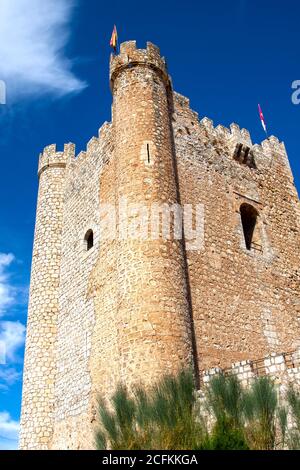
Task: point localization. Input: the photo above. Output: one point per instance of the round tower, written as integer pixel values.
(40, 366)
(153, 309)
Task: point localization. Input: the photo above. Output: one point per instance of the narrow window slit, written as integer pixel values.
(148, 153)
(246, 154)
(89, 240)
(249, 217)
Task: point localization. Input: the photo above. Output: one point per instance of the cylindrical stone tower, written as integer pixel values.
(40, 365)
(153, 310)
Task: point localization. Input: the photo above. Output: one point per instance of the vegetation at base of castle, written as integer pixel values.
(171, 416)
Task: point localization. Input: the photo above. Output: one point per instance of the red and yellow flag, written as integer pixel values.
(114, 39)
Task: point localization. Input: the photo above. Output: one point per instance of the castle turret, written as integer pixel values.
(40, 365)
(116, 293)
(153, 310)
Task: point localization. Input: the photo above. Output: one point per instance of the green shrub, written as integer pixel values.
(293, 399)
(260, 405)
(160, 418)
(168, 416)
(225, 399)
(225, 436)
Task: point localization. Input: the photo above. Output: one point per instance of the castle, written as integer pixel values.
(125, 309)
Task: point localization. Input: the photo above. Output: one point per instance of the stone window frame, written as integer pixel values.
(148, 153)
(94, 229)
(250, 222)
(89, 240)
(241, 199)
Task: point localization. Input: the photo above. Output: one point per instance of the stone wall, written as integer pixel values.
(40, 367)
(77, 317)
(132, 310)
(245, 303)
(283, 370)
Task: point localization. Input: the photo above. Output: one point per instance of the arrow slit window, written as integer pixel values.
(89, 240)
(251, 227)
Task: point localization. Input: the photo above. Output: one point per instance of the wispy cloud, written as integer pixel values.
(11, 294)
(33, 37)
(9, 430)
(6, 290)
(8, 377)
(12, 335)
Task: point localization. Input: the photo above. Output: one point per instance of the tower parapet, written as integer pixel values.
(50, 158)
(131, 56)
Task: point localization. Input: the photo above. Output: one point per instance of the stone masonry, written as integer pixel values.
(104, 311)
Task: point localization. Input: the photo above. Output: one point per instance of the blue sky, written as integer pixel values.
(226, 56)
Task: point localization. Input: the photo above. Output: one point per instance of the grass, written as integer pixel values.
(169, 416)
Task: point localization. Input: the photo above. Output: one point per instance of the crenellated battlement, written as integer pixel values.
(130, 56)
(233, 141)
(225, 289)
(51, 158)
(233, 134)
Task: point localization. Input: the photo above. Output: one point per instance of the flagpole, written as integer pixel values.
(118, 44)
(263, 123)
(114, 42)
(262, 120)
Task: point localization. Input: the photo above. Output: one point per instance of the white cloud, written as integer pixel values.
(12, 335)
(9, 430)
(6, 290)
(8, 377)
(33, 35)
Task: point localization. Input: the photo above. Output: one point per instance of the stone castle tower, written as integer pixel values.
(109, 309)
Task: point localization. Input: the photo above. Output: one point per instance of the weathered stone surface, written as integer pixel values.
(132, 310)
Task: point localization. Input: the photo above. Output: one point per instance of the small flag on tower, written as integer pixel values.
(114, 39)
(262, 119)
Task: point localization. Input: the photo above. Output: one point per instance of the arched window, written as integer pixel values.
(249, 220)
(89, 240)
